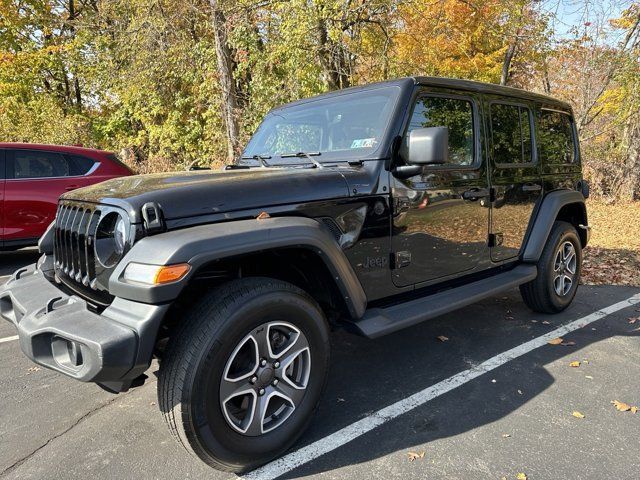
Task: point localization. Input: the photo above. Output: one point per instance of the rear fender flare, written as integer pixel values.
(202, 244)
(547, 215)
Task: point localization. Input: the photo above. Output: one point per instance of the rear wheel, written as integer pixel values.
(559, 269)
(243, 376)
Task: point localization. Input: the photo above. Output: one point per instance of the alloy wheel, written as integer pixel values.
(265, 378)
(564, 268)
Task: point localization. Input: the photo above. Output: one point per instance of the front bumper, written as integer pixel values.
(58, 331)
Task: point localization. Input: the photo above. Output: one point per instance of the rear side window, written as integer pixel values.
(36, 164)
(79, 165)
(454, 113)
(511, 134)
(555, 138)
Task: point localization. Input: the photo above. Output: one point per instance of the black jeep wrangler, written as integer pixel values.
(372, 208)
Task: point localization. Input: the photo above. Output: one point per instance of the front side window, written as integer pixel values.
(555, 138)
(344, 125)
(37, 164)
(511, 134)
(454, 113)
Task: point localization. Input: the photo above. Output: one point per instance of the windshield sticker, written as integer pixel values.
(363, 143)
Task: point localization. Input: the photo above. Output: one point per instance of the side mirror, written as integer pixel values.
(427, 146)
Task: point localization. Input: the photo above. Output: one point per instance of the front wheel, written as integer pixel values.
(559, 269)
(243, 376)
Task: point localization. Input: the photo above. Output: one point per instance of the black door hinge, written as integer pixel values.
(495, 239)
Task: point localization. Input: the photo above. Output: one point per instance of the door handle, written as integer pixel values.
(476, 193)
(531, 187)
(68, 188)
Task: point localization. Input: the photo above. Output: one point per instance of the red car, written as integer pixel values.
(32, 177)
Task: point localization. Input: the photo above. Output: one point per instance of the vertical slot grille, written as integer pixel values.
(74, 236)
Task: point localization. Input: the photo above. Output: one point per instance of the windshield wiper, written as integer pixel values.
(261, 158)
(306, 155)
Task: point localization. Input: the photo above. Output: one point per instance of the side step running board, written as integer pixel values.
(381, 321)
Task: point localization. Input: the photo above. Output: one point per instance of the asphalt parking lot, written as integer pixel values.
(513, 418)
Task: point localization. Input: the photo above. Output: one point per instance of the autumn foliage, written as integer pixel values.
(169, 83)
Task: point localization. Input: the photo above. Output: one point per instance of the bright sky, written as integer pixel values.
(573, 14)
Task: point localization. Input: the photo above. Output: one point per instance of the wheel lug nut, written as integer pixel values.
(275, 381)
(263, 362)
(254, 379)
(276, 365)
(261, 391)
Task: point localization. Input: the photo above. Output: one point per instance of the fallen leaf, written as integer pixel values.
(263, 215)
(414, 456)
(577, 414)
(633, 319)
(546, 323)
(534, 321)
(634, 409)
(574, 364)
(568, 344)
(556, 341)
(152, 403)
(521, 476)
(340, 399)
(589, 377)
(621, 406)
(442, 338)
(34, 369)
(505, 435)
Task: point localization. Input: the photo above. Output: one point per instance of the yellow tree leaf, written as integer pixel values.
(574, 364)
(577, 414)
(621, 406)
(555, 341)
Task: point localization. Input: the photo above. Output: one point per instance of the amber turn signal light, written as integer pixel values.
(171, 273)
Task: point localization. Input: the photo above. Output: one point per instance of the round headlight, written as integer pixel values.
(111, 239)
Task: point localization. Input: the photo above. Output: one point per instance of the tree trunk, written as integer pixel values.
(226, 67)
(332, 59)
(508, 57)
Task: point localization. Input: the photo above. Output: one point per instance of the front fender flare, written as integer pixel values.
(547, 214)
(205, 243)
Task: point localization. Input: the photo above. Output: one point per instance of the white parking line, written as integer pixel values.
(9, 339)
(335, 440)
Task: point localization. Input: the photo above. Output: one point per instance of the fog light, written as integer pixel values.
(155, 274)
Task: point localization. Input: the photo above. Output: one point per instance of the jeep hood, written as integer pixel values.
(187, 194)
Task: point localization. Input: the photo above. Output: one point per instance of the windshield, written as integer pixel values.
(342, 126)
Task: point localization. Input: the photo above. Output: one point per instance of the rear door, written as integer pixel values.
(515, 176)
(35, 180)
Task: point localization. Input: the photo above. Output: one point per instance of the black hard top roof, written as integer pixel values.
(453, 83)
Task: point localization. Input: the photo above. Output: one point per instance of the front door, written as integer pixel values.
(514, 176)
(441, 218)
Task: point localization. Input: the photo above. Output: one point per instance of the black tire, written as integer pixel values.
(191, 370)
(540, 294)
